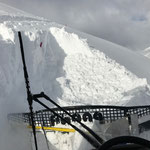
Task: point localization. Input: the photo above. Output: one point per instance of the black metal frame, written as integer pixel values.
(109, 114)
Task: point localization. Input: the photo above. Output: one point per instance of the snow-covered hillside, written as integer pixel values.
(8, 13)
(73, 68)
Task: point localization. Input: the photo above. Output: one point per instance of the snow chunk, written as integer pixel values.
(92, 77)
(6, 33)
(32, 35)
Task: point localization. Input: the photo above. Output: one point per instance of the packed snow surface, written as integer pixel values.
(71, 67)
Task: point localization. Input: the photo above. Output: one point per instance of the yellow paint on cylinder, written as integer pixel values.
(54, 129)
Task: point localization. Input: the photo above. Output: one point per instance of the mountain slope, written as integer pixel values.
(8, 13)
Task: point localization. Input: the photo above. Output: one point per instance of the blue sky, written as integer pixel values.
(125, 22)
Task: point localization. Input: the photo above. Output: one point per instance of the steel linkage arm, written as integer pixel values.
(92, 141)
(43, 95)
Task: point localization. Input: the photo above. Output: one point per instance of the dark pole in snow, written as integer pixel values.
(29, 94)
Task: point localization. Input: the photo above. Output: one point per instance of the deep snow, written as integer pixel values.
(76, 72)
(73, 68)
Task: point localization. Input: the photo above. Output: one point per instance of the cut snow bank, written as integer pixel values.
(69, 70)
(91, 77)
(70, 66)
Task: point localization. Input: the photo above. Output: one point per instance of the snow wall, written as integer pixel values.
(67, 67)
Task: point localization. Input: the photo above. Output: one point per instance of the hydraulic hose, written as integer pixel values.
(123, 140)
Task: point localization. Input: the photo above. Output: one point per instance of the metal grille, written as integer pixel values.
(104, 114)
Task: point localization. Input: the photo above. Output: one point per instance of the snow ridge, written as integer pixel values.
(8, 13)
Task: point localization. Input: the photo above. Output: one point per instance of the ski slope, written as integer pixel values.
(71, 67)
